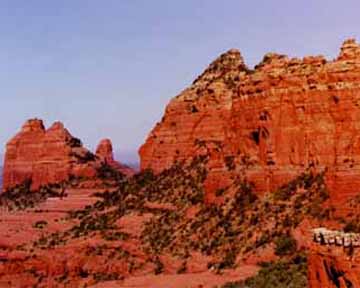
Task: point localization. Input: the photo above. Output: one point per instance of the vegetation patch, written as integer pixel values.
(183, 223)
(280, 274)
(285, 245)
(40, 224)
(21, 197)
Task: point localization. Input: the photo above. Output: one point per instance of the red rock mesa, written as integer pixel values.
(269, 123)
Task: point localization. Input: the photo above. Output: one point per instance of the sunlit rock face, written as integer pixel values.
(45, 156)
(333, 267)
(267, 124)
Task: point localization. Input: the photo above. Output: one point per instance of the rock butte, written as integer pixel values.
(50, 156)
(268, 124)
(104, 152)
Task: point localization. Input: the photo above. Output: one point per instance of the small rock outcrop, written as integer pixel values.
(325, 236)
(104, 152)
(333, 267)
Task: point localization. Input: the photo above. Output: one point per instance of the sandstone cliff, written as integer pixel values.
(333, 267)
(269, 123)
(48, 156)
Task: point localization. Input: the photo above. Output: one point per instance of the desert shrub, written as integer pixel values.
(104, 276)
(353, 226)
(255, 136)
(219, 192)
(234, 285)
(74, 142)
(183, 268)
(194, 109)
(159, 266)
(280, 274)
(285, 245)
(21, 197)
(245, 195)
(107, 172)
(145, 177)
(40, 224)
(263, 240)
(83, 273)
(158, 233)
(115, 236)
(50, 241)
(87, 157)
(306, 180)
(285, 192)
(228, 260)
(230, 162)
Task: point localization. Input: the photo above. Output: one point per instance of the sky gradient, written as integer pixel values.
(108, 68)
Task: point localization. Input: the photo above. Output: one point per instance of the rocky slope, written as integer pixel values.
(158, 229)
(270, 123)
(51, 155)
(111, 236)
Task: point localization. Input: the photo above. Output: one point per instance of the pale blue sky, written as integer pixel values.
(108, 68)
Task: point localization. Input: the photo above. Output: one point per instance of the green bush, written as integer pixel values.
(159, 266)
(285, 245)
(74, 142)
(352, 227)
(21, 197)
(281, 274)
(230, 162)
(107, 172)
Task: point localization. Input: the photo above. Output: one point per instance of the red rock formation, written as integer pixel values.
(104, 151)
(333, 267)
(267, 124)
(45, 156)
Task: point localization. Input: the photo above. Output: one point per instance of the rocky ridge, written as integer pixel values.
(47, 156)
(269, 123)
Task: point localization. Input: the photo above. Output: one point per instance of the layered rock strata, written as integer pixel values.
(46, 156)
(267, 124)
(333, 267)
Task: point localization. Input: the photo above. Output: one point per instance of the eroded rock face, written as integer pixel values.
(335, 267)
(46, 156)
(267, 124)
(104, 152)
